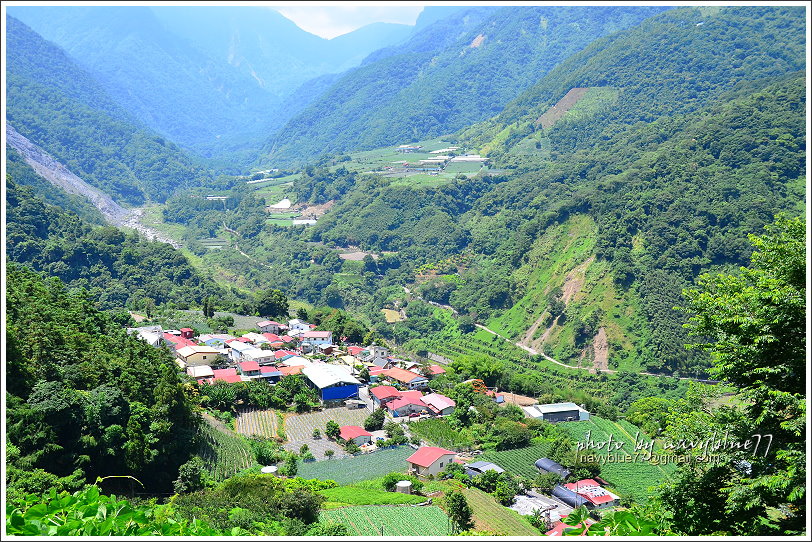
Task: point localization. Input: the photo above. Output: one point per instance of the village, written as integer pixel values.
(357, 383)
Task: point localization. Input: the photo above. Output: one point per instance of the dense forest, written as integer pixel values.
(118, 269)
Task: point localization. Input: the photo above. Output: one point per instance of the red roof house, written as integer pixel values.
(560, 526)
(249, 367)
(594, 493)
(227, 375)
(356, 434)
(287, 371)
(435, 370)
(413, 380)
(355, 350)
(381, 394)
(430, 460)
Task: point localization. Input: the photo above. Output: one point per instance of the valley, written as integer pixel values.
(503, 270)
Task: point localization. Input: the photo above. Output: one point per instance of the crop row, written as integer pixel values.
(390, 520)
(349, 470)
(521, 461)
(225, 455)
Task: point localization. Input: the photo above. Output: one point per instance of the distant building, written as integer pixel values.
(316, 338)
(298, 325)
(408, 378)
(227, 375)
(570, 497)
(557, 412)
(152, 335)
(270, 326)
(384, 394)
(439, 404)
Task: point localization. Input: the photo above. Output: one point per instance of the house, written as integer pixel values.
(597, 496)
(256, 338)
(355, 350)
(409, 402)
(326, 349)
(407, 378)
(176, 341)
(298, 325)
(548, 465)
(262, 357)
(435, 370)
(187, 333)
(270, 373)
(200, 372)
(238, 350)
(376, 355)
(197, 355)
(288, 371)
(430, 460)
(376, 374)
(557, 412)
(249, 368)
(316, 338)
(269, 326)
(152, 335)
(439, 404)
(216, 340)
(478, 467)
(383, 394)
(297, 360)
(356, 434)
(227, 375)
(332, 381)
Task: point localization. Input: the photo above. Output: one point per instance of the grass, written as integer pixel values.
(491, 516)
(392, 316)
(353, 495)
(350, 470)
(390, 520)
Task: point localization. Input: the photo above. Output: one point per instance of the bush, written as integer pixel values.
(391, 480)
(374, 421)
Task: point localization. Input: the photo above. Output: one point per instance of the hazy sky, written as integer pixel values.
(329, 21)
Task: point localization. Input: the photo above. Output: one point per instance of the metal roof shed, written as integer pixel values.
(570, 497)
(551, 466)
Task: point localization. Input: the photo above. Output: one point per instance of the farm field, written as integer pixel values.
(299, 429)
(392, 316)
(519, 462)
(489, 515)
(255, 421)
(628, 478)
(349, 470)
(440, 433)
(224, 452)
(390, 520)
(354, 495)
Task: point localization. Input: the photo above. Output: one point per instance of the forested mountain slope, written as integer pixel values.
(84, 399)
(673, 63)
(117, 269)
(606, 238)
(454, 72)
(57, 105)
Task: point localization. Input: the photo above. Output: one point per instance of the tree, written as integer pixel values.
(375, 420)
(459, 511)
(332, 429)
(208, 307)
(272, 303)
(329, 454)
(649, 413)
(192, 476)
(753, 324)
(364, 374)
(301, 313)
(316, 433)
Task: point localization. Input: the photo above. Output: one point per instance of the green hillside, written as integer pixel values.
(459, 70)
(83, 129)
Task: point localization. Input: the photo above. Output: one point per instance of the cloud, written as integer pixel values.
(331, 21)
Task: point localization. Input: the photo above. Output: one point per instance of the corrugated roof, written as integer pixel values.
(246, 366)
(348, 432)
(402, 375)
(438, 401)
(325, 375)
(551, 466)
(383, 392)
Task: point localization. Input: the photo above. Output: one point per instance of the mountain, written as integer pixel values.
(59, 106)
(162, 80)
(454, 72)
(672, 64)
(215, 80)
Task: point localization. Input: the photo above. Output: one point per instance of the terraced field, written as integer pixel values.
(224, 452)
(350, 470)
(255, 421)
(629, 477)
(519, 462)
(489, 515)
